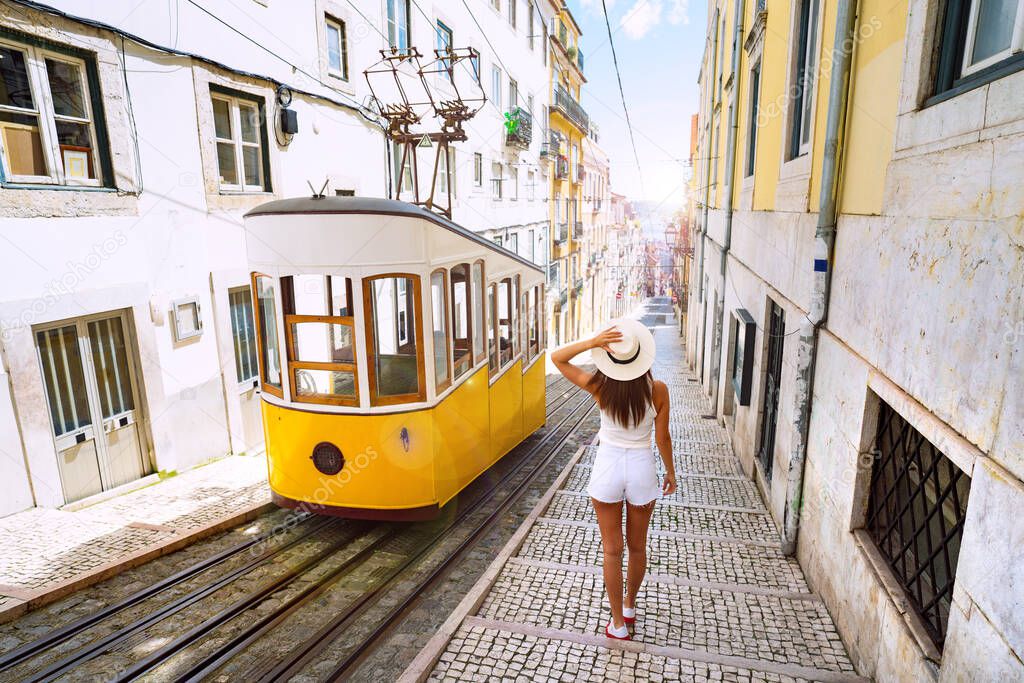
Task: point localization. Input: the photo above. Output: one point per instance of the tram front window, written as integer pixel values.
(393, 311)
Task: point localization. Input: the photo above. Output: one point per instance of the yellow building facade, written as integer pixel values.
(568, 125)
(857, 232)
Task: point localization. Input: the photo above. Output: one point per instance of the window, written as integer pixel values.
(916, 510)
(444, 44)
(512, 12)
(755, 87)
(981, 40)
(514, 189)
(496, 4)
(446, 163)
(533, 322)
(462, 320)
(513, 242)
(804, 78)
(243, 334)
(478, 169)
(320, 334)
(478, 321)
(266, 331)
(241, 145)
(504, 323)
(403, 169)
(496, 180)
(49, 118)
(492, 323)
(498, 240)
(496, 86)
(529, 23)
(544, 46)
(474, 62)
(337, 48)
(531, 186)
(399, 26)
(513, 94)
(439, 320)
(394, 340)
(530, 244)
(529, 103)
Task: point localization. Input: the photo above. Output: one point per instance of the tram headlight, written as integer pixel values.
(327, 458)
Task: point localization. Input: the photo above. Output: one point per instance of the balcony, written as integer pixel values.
(577, 230)
(567, 105)
(581, 172)
(518, 128)
(561, 167)
(553, 274)
(563, 296)
(561, 233)
(552, 145)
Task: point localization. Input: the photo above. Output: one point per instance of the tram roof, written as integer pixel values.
(378, 206)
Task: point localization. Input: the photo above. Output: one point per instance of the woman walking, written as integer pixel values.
(633, 404)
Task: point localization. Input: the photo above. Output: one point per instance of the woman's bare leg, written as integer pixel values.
(609, 518)
(638, 519)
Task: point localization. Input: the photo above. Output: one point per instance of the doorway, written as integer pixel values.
(772, 384)
(88, 371)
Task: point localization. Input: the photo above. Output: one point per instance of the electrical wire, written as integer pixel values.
(622, 95)
(47, 9)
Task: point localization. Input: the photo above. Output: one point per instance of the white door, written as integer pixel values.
(92, 394)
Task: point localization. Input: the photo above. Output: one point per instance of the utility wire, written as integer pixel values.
(622, 95)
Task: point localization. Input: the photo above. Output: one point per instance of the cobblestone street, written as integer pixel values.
(720, 601)
(49, 553)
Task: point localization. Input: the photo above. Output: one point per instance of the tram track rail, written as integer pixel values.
(559, 394)
(308, 651)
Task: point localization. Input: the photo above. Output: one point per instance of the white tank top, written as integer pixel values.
(635, 436)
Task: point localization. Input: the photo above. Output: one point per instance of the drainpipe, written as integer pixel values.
(824, 241)
(704, 213)
(730, 173)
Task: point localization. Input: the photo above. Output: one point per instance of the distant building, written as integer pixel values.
(856, 312)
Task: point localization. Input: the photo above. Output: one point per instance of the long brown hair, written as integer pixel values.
(626, 401)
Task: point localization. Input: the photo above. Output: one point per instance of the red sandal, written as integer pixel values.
(613, 636)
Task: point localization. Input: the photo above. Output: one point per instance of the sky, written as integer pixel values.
(659, 44)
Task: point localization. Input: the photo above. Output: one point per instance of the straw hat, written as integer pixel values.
(631, 356)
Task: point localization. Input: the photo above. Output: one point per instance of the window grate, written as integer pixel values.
(916, 512)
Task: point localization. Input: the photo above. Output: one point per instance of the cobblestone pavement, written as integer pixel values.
(48, 552)
(720, 602)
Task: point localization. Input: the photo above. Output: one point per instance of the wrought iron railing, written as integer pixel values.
(561, 233)
(577, 229)
(518, 128)
(561, 167)
(570, 108)
(581, 172)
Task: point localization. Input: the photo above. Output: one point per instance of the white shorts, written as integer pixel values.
(624, 474)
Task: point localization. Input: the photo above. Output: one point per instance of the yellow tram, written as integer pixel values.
(401, 355)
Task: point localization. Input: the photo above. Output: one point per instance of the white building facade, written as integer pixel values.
(133, 143)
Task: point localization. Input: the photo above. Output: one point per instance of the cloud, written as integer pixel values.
(679, 12)
(641, 18)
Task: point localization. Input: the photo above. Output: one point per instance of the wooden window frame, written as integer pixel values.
(481, 310)
(36, 52)
(340, 26)
(257, 319)
(470, 301)
(371, 354)
(235, 99)
(291, 353)
(439, 387)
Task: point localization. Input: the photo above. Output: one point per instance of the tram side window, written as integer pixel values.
(505, 323)
(270, 348)
(439, 318)
(393, 312)
(533, 323)
(462, 337)
(321, 348)
(479, 320)
(492, 319)
(517, 329)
